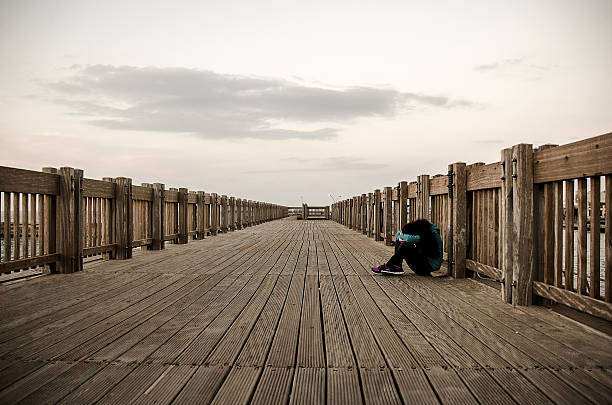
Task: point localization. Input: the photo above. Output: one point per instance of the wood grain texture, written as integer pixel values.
(522, 225)
(28, 181)
(584, 158)
(481, 176)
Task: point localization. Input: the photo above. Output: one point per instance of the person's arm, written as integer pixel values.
(405, 237)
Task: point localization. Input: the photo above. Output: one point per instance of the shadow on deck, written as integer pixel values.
(285, 311)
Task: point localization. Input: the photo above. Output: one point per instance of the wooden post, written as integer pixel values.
(70, 220)
(457, 238)
(239, 213)
(213, 213)
(158, 216)
(388, 215)
(233, 222)
(363, 213)
(505, 225)
(377, 215)
(403, 204)
(183, 195)
(123, 217)
(423, 197)
(201, 213)
(224, 212)
(354, 213)
(522, 224)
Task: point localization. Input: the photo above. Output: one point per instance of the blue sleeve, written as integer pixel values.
(404, 237)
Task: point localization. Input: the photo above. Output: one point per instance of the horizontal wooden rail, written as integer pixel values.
(55, 218)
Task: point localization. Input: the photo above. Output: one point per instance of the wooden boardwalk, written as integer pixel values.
(286, 311)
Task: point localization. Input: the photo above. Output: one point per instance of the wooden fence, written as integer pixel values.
(55, 218)
(514, 220)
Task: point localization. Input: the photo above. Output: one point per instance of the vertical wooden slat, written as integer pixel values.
(506, 225)
(109, 218)
(99, 221)
(90, 230)
(569, 235)
(558, 233)
(608, 240)
(50, 220)
(33, 250)
(595, 236)
(41, 221)
(377, 215)
(16, 227)
(582, 236)
(25, 211)
(7, 226)
(548, 240)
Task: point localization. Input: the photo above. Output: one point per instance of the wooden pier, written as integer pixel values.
(196, 297)
(286, 311)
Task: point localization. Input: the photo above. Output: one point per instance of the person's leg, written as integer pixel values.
(394, 265)
(418, 263)
(398, 257)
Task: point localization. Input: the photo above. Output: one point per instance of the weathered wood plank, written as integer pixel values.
(582, 303)
(487, 270)
(481, 176)
(28, 181)
(589, 157)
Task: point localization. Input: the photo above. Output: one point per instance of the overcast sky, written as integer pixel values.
(281, 101)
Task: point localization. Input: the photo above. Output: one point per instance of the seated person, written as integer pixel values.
(418, 243)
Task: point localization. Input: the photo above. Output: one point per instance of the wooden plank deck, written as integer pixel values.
(285, 312)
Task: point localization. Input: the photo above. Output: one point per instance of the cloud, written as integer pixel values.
(223, 106)
(500, 64)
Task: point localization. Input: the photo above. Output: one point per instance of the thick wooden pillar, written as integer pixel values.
(423, 197)
(69, 220)
(239, 215)
(505, 226)
(224, 214)
(388, 216)
(403, 204)
(457, 238)
(364, 214)
(158, 216)
(232, 213)
(183, 195)
(522, 224)
(214, 214)
(123, 217)
(201, 213)
(377, 215)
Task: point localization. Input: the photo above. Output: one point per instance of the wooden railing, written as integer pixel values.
(512, 220)
(55, 218)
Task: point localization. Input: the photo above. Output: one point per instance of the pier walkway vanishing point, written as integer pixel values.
(285, 312)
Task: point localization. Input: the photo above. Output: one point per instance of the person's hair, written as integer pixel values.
(422, 227)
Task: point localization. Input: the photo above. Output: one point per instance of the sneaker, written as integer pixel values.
(380, 268)
(393, 269)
